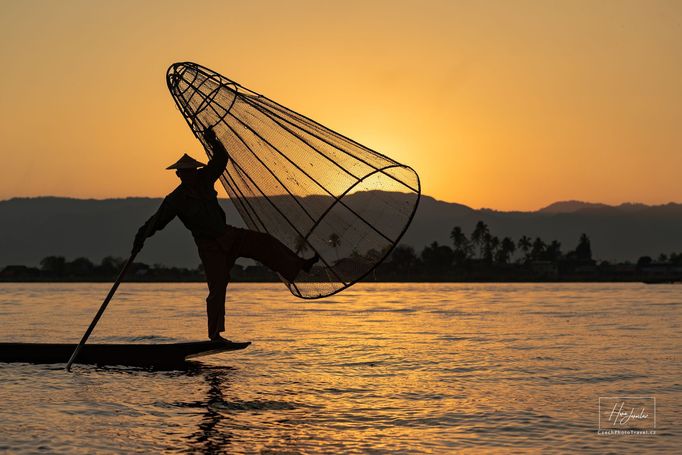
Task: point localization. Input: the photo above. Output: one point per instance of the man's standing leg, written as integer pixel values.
(217, 265)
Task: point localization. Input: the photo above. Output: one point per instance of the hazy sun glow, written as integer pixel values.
(509, 105)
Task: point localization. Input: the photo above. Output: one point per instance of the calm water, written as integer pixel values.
(385, 367)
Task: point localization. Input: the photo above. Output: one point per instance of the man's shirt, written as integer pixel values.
(196, 205)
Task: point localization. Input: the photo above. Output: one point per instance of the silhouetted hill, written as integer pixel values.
(32, 228)
(571, 206)
(575, 206)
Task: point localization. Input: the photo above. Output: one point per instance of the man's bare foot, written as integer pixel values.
(219, 339)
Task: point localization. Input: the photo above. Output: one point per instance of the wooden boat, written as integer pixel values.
(145, 355)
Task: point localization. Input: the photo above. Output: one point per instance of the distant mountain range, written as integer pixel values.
(32, 228)
(574, 206)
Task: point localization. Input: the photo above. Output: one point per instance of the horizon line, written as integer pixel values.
(423, 195)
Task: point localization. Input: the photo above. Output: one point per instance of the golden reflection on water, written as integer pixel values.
(380, 367)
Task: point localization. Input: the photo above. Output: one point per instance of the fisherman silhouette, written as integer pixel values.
(195, 202)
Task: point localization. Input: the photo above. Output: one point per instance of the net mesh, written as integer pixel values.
(315, 190)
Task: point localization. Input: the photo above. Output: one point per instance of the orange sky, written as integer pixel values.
(509, 105)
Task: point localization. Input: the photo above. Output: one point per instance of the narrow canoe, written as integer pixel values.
(148, 355)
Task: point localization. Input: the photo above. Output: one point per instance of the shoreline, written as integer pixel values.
(500, 281)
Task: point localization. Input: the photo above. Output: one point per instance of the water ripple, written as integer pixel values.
(381, 368)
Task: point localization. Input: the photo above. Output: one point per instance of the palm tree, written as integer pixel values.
(457, 236)
(553, 251)
(478, 236)
(301, 244)
(538, 251)
(335, 241)
(524, 245)
(461, 243)
(506, 250)
(490, 245)
(584, 250)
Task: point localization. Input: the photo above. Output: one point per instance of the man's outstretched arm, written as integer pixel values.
(218, 162)
(156, 222)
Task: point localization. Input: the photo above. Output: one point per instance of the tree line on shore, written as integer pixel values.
(481, 256)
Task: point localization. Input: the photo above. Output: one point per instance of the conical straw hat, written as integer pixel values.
(186, 162)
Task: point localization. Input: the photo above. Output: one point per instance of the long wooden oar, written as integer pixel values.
(101, 311)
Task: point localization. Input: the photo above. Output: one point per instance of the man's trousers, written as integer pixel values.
(218, 256)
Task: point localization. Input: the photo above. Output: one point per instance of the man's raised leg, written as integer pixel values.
(271, 252)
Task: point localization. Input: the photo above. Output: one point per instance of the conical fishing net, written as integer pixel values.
(312, 188)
